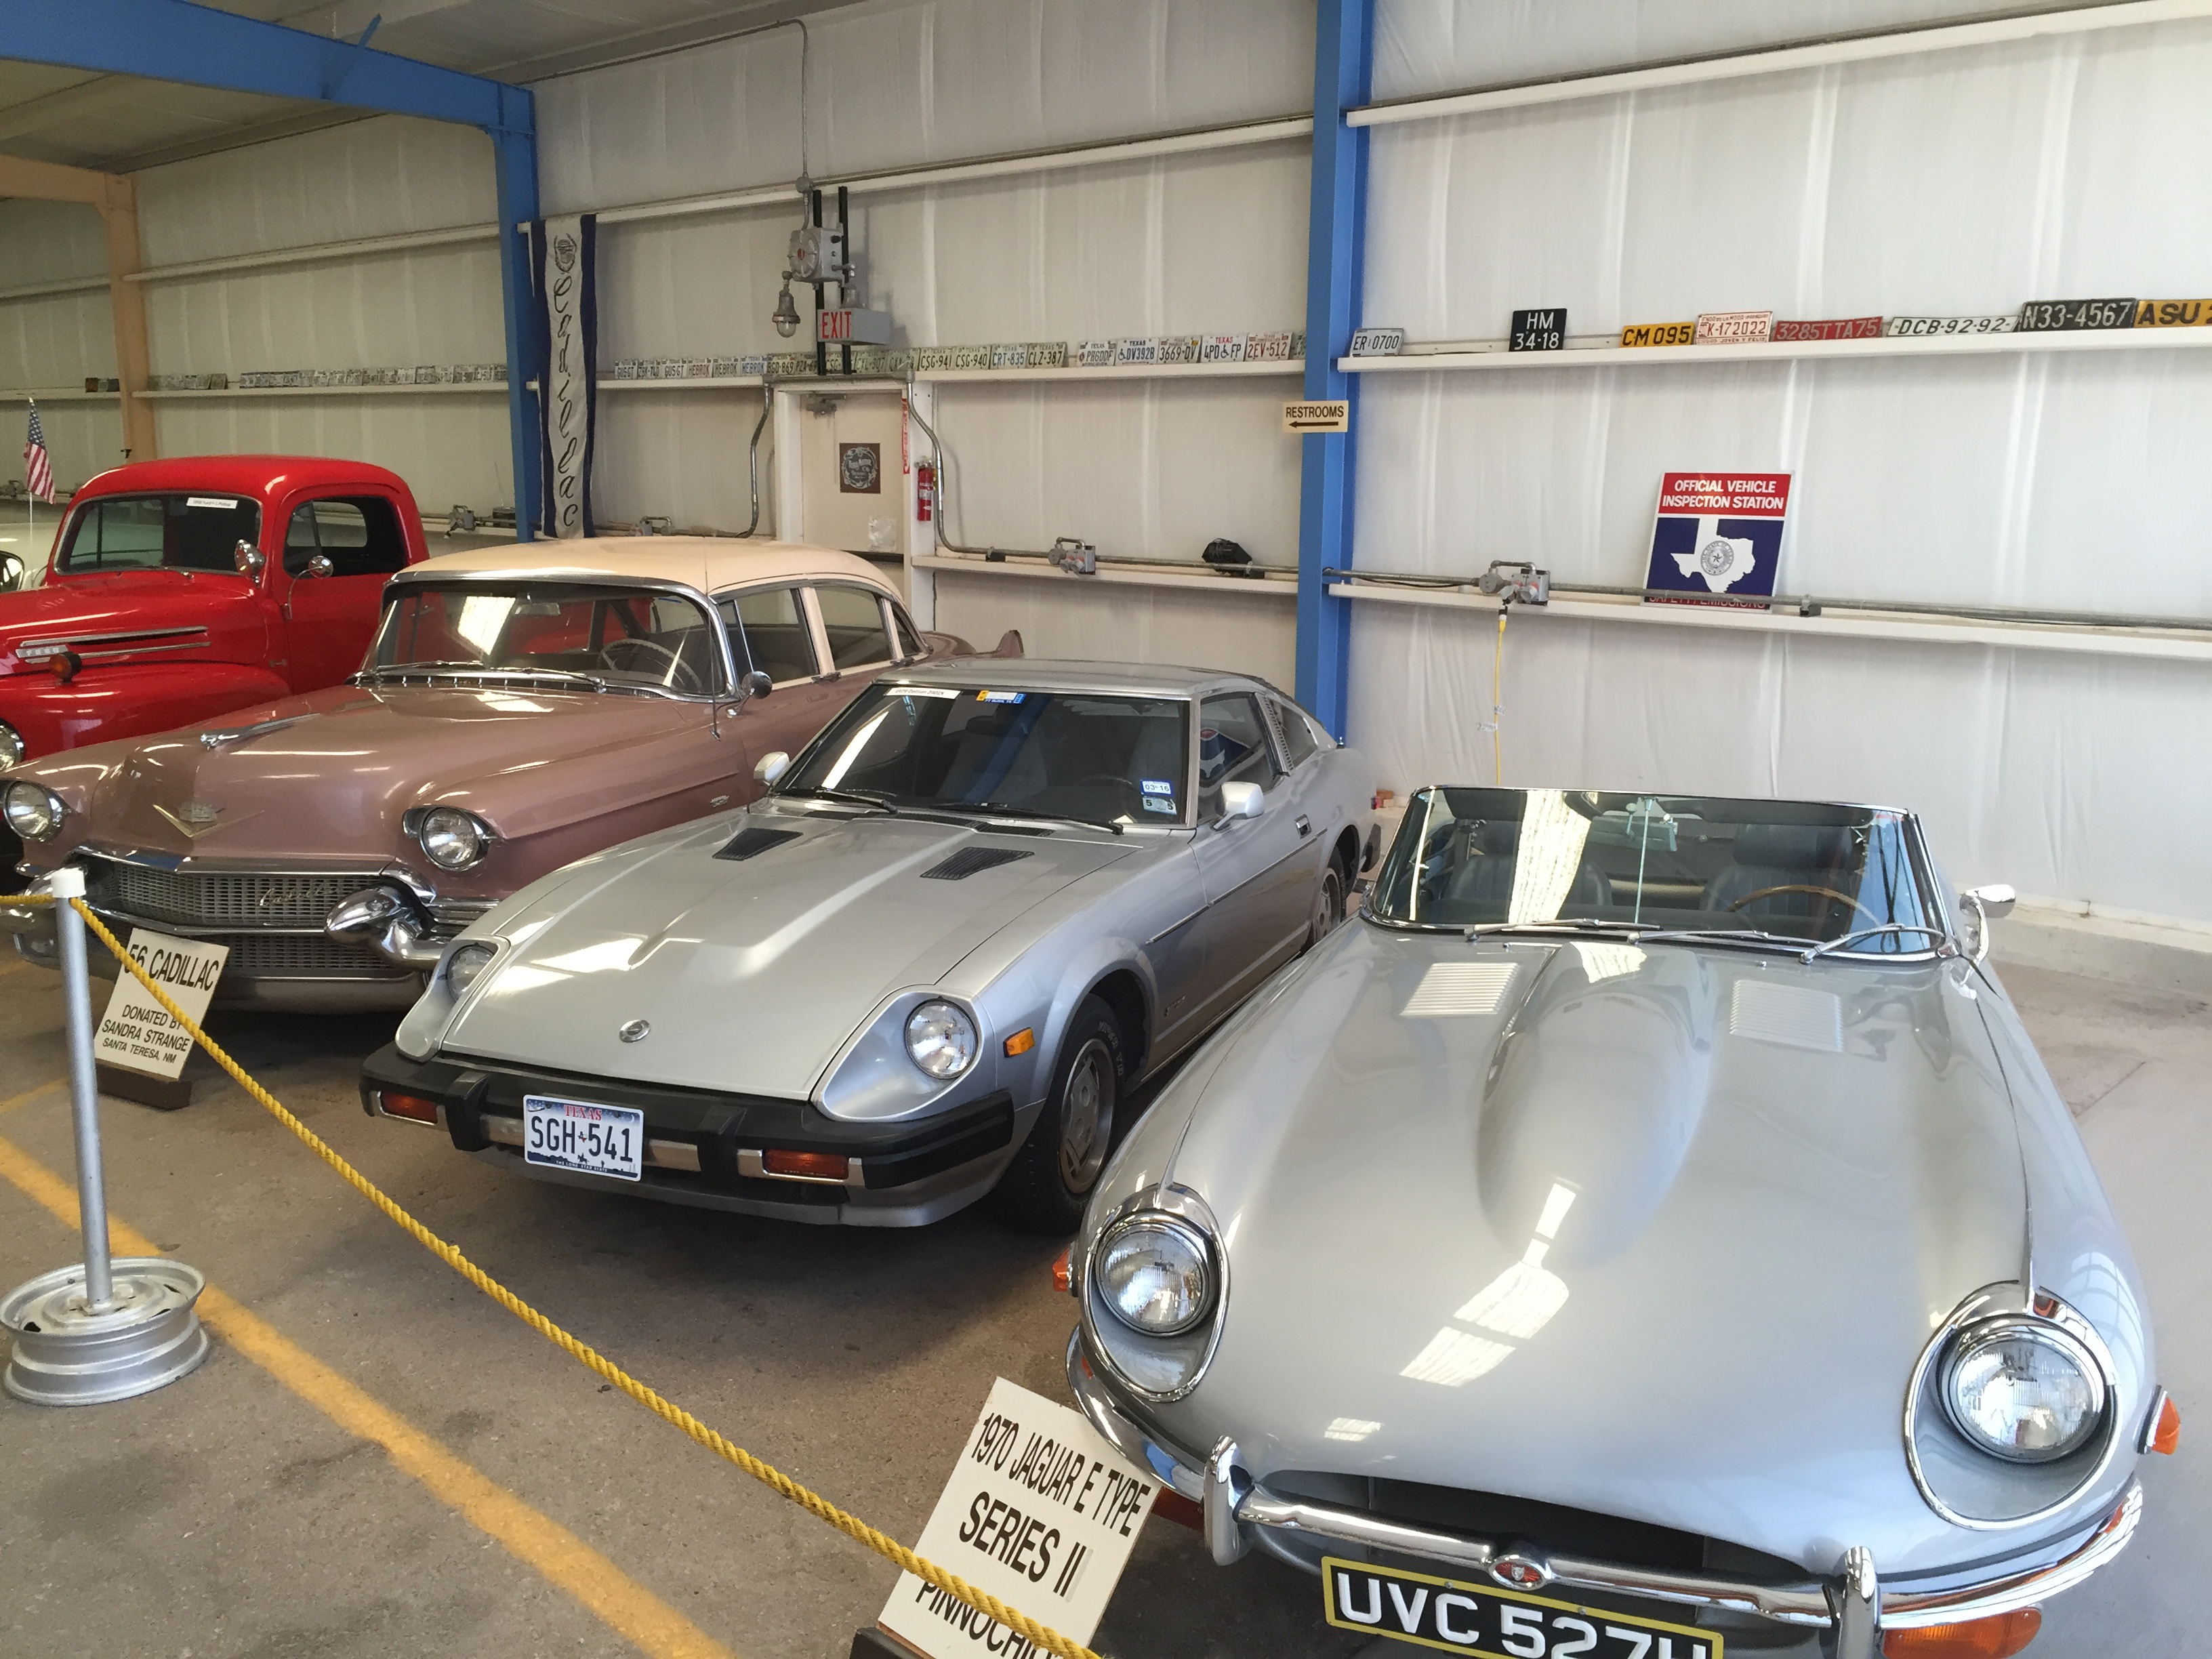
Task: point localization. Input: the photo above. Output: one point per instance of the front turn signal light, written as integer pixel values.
(808, 1166)
(1063, 1271)
(1981, 1638)
(1021, 1043)
(2165, 1433)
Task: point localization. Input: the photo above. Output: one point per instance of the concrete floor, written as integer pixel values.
(229, 1516)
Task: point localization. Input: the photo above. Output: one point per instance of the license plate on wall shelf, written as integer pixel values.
(583, 1136)
(2055, 316)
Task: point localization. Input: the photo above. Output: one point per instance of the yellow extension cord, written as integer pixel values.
(890, 1548)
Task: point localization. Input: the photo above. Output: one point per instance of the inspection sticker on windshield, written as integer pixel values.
(224, 502)
(1483, 1618)
(1158, 786)
(1041, 1512)
(944, 691)
(576, 1134)
(1154, 803)
(1000, 696)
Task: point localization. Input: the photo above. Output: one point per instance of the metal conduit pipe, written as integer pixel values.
(1807, 605)
(752, 455)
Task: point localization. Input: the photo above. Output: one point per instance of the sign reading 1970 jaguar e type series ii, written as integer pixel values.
(1041, 1513)
(1719, 532)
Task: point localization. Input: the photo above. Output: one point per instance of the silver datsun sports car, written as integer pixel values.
(1648, 1232)
(930, 962)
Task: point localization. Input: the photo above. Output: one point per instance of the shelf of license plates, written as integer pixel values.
(1152, 356)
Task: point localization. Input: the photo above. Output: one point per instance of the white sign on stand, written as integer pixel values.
(1040, 1512)
(137, 1032)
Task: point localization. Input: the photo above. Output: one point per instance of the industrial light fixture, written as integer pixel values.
(786, 316)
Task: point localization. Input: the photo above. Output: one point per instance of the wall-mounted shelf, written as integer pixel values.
(1159, 576)
(1834, 623)
(1937, 345)
(234, 392)
(74, 395)
(1274, 368)
(714, 383)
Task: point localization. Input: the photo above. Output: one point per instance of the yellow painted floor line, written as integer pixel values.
(537, 1541)
(30, 1094)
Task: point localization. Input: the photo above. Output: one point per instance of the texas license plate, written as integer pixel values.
(575, 1134)
(1499, 1624)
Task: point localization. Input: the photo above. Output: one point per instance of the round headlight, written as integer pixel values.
(940, 1038)
(1156, 1275)
(11, 745)
(33, 812)
(452, 839)
(464, 963)
(2026, 1392)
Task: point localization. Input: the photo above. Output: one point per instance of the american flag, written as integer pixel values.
(38, 471)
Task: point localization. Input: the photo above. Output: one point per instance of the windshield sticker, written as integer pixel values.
(944, 691)
(1157, 786)
(1000, 696)
(227, 503)
(1154, 803)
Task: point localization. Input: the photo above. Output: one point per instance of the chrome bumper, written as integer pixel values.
(1853, 1603)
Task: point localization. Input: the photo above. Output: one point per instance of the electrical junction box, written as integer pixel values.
(852, 326)
(818, 253)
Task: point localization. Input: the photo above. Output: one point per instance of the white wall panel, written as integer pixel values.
(1067, 619)
(454, 449)
(681, 455)
(51, 242)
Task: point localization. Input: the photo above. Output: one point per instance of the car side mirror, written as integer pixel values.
(248, 559)
(755, 683)
(11, 573)
(1995, 900)
(319, 564)
(770, 767)
(1242, 800)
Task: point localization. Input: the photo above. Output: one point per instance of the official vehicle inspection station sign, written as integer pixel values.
(1041, 1513)
(137, 1032)
(1719, 533)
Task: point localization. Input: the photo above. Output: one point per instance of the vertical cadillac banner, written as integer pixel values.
(564, 268)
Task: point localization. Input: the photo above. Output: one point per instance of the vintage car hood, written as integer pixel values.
(339, 773)
(754, 972)
(127, 604)
(1657, 1232)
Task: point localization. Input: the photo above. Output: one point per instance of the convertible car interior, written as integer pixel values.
(1494, 857)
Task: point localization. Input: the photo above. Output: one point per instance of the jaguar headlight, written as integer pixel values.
(1154, 1274)
(464, 961)
(11, 745)
(453, 839)
(940, 1039)
(33, 811)
(2022, 1390)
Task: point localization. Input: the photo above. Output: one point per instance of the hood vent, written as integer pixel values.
(1794, 1016)
(970, 860)
(1452, 989)
(752, 840)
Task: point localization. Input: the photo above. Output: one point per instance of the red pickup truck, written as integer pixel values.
(178, 590)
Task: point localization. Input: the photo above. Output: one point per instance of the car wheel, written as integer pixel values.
(1327, 906)
(1045, 1187)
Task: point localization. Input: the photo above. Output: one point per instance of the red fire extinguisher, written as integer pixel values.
(925, 491)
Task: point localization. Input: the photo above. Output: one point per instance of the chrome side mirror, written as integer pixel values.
(247, 557)
(755, 683)
(1988, 904)
(319, 564)
(770, 767)
(1242, 800)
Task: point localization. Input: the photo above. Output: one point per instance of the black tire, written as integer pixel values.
(1327, 905)
(1051, 1178)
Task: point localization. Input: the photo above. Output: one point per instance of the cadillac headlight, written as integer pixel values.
(33, 811)
(11, 745)
(453, 839)
(940, 1039)
(2023, 1391)
(464, 961)
(1156, 1275)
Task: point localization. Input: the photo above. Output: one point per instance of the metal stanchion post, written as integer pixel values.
(108, 1329)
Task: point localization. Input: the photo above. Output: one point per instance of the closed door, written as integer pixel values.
(338, 549)
(853, 471)
(1254, 872)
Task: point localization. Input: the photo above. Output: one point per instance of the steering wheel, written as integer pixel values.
(681, 676)
(1824, 892)
(1103, 777)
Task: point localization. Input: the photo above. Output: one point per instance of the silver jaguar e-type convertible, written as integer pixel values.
(1647, 1231)
(984, 901)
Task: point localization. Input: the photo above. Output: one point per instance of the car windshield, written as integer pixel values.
(1080, 754)
(1548, 859)
(613, 635)
(179, 531)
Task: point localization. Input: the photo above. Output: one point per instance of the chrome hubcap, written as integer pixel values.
(1086, 1116)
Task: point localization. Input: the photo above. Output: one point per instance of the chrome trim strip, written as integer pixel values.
(2158, 1400)
(2025, 1590)
(1154, 1459)
(54, 644)
(661, 1154)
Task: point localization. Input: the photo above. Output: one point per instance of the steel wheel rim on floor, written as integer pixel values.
(1086, 1116)
(1328, 904)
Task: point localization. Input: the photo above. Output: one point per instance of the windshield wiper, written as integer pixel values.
(994, 809)
(1560, 923)
(850, 797)
(1935, 933)
(487, 670)
(1724, 936)
(403, 669)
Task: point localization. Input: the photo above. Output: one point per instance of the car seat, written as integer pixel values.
(1485, 879)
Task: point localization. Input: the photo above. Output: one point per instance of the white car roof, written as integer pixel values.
(709, 564)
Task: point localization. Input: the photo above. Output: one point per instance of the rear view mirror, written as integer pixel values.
(247, 557)
(755, 685)
(1242, 800)
(1995, 900)
(319, 564)
(770, 767)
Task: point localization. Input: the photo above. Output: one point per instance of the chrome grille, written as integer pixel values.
(301, 956)
(213, 899)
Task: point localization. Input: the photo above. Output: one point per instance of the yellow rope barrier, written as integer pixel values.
(853, 1528)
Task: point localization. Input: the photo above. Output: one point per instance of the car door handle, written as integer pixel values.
(1305, 824)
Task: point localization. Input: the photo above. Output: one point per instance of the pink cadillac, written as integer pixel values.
(520, 709)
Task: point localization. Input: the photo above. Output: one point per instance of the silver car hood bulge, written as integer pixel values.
(1552, 1147)
(752, 972)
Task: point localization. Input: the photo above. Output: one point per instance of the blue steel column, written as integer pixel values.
(515, 151)
(1344, 52)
